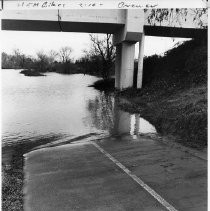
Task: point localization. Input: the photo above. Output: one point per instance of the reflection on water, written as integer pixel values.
(101, 111)
(106, 114)
(59, 107)
(138, 126)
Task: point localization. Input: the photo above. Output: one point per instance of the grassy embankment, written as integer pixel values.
(174, 95)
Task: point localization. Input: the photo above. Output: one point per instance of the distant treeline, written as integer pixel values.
(41, 63)
(53, 62)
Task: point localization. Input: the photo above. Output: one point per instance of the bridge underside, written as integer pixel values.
(86, 27)
(165, 31)
(55, 26)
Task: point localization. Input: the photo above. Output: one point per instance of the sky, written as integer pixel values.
(30, 43)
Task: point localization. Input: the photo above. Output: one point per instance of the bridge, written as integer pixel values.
(128, 27)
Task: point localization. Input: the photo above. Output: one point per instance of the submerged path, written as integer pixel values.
(115, 174)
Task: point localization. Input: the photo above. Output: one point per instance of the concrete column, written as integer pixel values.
(140, 62)
(124, 65)
(127, 65)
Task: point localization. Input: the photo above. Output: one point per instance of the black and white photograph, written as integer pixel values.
(104, 105)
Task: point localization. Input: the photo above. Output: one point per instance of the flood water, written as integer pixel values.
(58, 106)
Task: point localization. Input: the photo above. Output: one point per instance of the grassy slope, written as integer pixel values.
(174, 96)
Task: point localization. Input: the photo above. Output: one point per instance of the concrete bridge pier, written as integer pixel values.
(124, 65)
(124, 39)
(140, 62)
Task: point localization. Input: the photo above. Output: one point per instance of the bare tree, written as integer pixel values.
(65, 54)
(105, 49)
(53, 55)
(19, 58)
(43, 61)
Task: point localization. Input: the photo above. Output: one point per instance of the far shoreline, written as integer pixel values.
(30, 72)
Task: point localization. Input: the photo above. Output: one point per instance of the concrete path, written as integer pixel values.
(115, 174)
